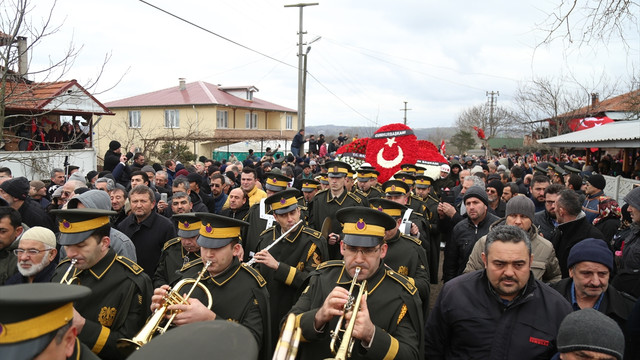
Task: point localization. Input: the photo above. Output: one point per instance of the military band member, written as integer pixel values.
(178, 251)
(327, 202)
(349, 181)
(238, 291)
(398, 191)
(288, 263)
(323, 179)
(405, 253)
(389, 324)
(410, 169)
(413, 202)
(260, 216)
(423, 188)
(367, 179)
(309, 190)
(37, 322)
(119, 303)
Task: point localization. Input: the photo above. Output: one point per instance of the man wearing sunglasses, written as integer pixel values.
(36, 254)
(389, 320)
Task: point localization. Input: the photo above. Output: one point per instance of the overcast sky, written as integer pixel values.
(439, 56)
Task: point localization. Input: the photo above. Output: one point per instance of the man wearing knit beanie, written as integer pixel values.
(467, 232)
(36, 255)
(593, 190)
(588, 334)
(15, 192)
(494, 194)
(590, 264)
(520, 213)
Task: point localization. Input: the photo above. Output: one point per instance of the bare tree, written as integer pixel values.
(590, 21)
(502, 122)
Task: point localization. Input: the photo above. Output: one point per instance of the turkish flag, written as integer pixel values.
(588, 122)
(443, 148)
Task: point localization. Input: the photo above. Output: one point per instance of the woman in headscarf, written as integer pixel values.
(608, 219)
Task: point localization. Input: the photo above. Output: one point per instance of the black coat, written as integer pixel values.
(544, 222)
(569, 234)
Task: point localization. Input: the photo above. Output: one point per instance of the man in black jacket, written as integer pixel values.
(573, 227)
(112, 156)
(467, 232)
(590, 265)
(546, 220)
(501, 312)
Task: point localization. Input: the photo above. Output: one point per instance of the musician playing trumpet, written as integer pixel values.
(389, 321)
(120, 291)
(238, 291)
(287, 264)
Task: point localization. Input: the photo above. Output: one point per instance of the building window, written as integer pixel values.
(289, 124)
(222, 119)
(251, 121)
(172, 119)
(134, 119)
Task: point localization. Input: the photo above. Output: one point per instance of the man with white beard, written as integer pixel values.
(36, 253)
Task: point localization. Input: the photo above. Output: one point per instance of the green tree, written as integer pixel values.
(176, 151)
(463, 141)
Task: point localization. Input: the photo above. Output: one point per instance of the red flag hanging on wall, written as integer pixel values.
(588, 122)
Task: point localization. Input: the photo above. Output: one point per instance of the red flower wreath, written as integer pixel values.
(389, 147)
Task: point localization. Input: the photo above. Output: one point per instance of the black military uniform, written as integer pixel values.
(260, 216)
(174, 256)
(43, 309)
(365, 175)
(325, 205)
(121, 292)
(297, 254)
(308, 186)
(239, 293)
(405, 254)
(392, 300)
(431, 213)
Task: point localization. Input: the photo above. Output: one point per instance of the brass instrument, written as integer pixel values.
(287, 347)
(66, 274)
(253, 259)
(347, 341)
(152, 326)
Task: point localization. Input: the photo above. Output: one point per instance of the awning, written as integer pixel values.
(619, 134)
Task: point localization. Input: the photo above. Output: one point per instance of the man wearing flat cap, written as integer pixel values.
(590, 265)
(38, 322)
(389, 322)
(593, 190)
(179, 251)
(16, 193)
(287, 264)
(119, 303)
(36, 255)
(327, 202)
(238, 291)
(260, 216)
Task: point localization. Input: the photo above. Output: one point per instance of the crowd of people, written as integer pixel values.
(531, 249)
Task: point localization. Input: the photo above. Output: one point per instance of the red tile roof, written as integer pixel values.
(195, 93)
(23, 96)
(628, 102)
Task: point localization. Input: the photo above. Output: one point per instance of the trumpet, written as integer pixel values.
(66, 274)
(253, 259)
(152, 326)
(287, 347)
(347, 341)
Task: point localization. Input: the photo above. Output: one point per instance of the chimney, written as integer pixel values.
(183, 85)
(594, 100)
(23, 60)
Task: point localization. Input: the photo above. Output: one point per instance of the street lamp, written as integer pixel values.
(303, 102)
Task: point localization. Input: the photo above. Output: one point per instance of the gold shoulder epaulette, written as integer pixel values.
(171, 242)
(267, 230)
(413, 238)
(403, 280)
(315, 233)
(355, 197)
(191, 264)
(132, 265)
(256, 274)
(330, 263)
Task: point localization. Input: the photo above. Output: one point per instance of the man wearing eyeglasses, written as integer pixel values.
(36, 255)
(389, 321)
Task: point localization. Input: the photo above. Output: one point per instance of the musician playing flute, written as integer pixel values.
(120, 291)
(389, 322)
(238, 291)
(287, 264)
